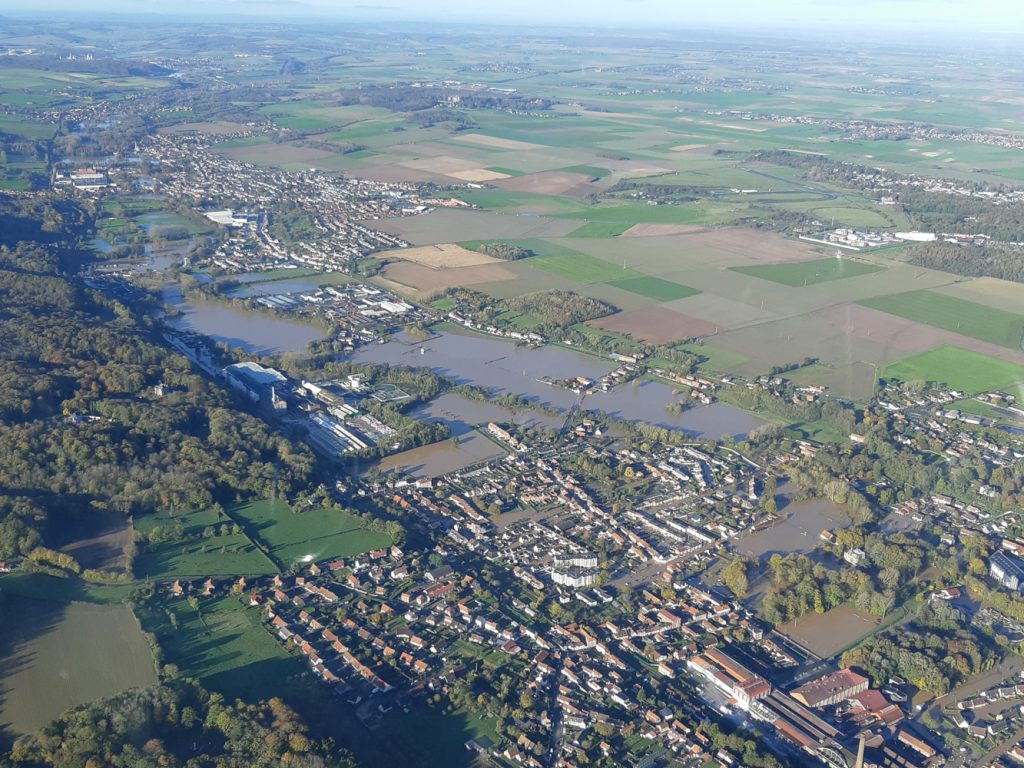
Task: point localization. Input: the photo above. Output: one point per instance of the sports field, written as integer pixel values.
(655, 288)
(957, 368)
(803, 273)
(968, 318)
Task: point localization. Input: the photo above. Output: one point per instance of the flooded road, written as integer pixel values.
(504, 367)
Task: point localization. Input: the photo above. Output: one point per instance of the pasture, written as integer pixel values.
(312, 534)
(209, 548)
(222, 643)
(57, 656)
(957, 368)
(978, 321)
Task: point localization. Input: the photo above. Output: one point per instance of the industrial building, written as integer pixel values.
(1007, 570)
(831, 689)
(725, 672)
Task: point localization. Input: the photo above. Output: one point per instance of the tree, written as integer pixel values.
(735, 577)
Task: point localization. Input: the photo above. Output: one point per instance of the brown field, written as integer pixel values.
(441, 256)
(478, 174)
(277, 154)
(218, 127)
(748, 245)
(443, 164)
(548, 183)
(398, 173)
(98, 542)
(496, 143)
(447, 225)
(654, 325)
(662, 230)
(688, 147)
(425, 281)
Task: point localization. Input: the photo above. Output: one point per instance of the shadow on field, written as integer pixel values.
(21, 622)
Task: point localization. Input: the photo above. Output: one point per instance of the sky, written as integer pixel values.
(893, 17)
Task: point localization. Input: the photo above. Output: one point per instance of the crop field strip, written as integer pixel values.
(939, 310)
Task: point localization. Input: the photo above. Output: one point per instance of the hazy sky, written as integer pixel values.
(899, 17)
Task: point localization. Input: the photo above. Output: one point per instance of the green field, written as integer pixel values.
(938, 310)
(581, 268)
(601, 229)
(198, 555)
(57, 656)
(957, 368)
(315, 533)
(222, 643)
(655, 288)
(801, 273)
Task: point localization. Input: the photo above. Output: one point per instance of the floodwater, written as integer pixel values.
(251, 331)
(446, 456)
(502, 366)
(462, 414)
(826, 633)
(799, 531)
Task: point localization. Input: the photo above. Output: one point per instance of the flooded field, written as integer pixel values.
(462, 414)
(469, 447)
(826, 633)
(447, 456)
(251, 331)
(502, 366)
(798, 532)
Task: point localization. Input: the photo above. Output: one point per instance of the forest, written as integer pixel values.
(166, 726)
(84, 426)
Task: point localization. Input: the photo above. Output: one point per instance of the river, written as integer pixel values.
(504, 367)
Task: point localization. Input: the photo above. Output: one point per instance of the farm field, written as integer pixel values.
(313, 534)
(58, 656)
(809, 272)
(655, 288)
(957, 368)
(582, 268)
(985, 323)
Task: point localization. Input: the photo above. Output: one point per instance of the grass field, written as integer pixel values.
(581, 268)
(939, 310)
(222, 644)
(800, 273)
(315, 533)
(229, 555)
(957, 368)
(655, 288)
(601, 229)
(57, 656)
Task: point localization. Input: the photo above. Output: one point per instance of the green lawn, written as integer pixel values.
(938, 310)
(315, 533)
(581, 268)
(800, 273)
(957, 368)
(655, 288)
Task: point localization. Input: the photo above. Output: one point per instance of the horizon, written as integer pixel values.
(885, 17)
